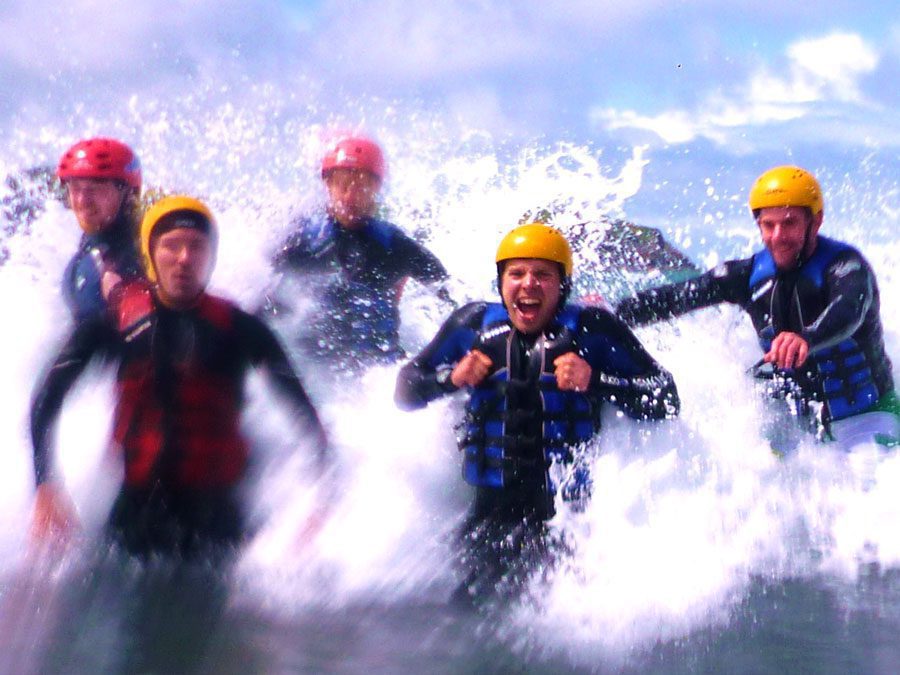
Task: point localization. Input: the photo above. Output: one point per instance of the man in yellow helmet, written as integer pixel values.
(537, 371)
(183, 356)
(815, 306)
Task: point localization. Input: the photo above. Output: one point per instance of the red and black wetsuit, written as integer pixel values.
(180, 389)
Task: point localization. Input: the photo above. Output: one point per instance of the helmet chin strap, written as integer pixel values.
(802, 257)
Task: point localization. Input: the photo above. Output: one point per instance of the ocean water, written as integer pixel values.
(700, 551)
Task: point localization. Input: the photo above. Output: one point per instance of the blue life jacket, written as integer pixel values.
(112, 248)
(494, 457)
(844, 378)
(81, 284)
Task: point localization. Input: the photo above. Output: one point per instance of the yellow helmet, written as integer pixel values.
(161, 209)
(536, 240)
(786, 186)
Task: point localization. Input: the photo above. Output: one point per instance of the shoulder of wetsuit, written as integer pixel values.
(493, 332)
(310, 234)
(132, 306)
(218, 311)
(383, 232)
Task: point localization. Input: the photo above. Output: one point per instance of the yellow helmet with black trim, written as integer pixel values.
(191, 208)
(786, 186)
(536, 240)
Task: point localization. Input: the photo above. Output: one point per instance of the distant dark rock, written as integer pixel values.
(24, 199)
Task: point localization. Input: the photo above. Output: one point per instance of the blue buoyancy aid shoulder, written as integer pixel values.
(382, 232)
(826, 251)
(461, 336)
(570, 316)
(317, 234)
(763, 268)
(494, 314)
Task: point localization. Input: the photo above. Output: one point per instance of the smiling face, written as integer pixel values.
(182, 259)
(789, 232)
(352, 195)
(530, 288)
(95, 201)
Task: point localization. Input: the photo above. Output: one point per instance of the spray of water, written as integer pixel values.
(685, 513)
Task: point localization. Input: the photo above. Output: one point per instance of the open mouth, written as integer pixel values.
(528, 308)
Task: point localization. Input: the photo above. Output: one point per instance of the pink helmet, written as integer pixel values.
(101, 158)
(354, 152)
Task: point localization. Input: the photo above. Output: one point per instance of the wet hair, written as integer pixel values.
(808, 210)
(182, 218)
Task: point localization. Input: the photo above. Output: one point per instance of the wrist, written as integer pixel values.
(443, 377)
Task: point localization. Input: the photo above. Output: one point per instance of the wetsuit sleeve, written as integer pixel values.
(419, 263)
(265, 350)
(849, 283)
(93, 337)
(621, 369)
(417, 382)
(728, 282)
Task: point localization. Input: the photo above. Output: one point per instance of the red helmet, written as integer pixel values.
(354, 152)
(101, 158)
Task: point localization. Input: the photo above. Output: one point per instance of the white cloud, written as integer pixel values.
(394, 38)
(832, 65)
(49, 38)
(819, 73)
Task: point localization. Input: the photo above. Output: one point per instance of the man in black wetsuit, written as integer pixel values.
(102, 181)
(183, 357)
(537, 370)
(815, 306)
(359, 263)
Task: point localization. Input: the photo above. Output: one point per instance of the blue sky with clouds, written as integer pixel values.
(712, 85)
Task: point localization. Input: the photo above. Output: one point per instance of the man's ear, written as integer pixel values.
(817, 222)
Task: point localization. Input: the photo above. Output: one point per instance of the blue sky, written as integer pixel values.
(713, 84)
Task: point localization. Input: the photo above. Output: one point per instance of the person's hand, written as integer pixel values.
(572, 372)
(108, 281)
(471, 370)
(594, 300)
(788, 350)
(53, 520)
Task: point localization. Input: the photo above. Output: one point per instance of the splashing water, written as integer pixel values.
(689, 517)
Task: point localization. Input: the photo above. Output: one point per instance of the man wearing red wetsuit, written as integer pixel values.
(183, 356)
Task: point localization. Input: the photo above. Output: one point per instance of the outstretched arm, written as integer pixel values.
(89, 338)
(726, 283)
(265, 350)
(54, 518)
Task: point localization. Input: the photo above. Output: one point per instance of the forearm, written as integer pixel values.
(50, 393)
(418, 385)
(723, 284)
(653, 396)
(269, 353)
(417, 382)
